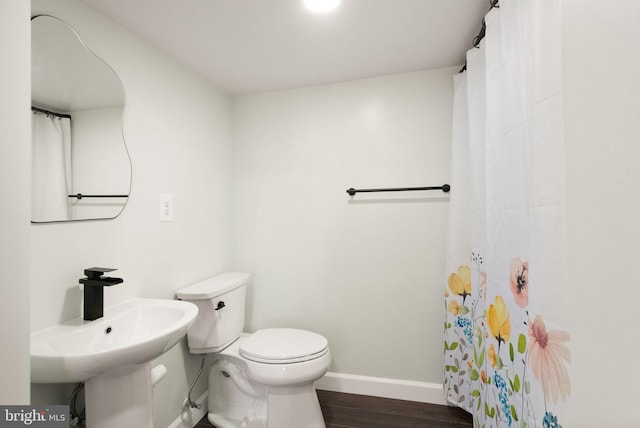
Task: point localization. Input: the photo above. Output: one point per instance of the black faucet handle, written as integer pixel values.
(97, 272)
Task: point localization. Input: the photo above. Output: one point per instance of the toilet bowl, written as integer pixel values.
(258, 380)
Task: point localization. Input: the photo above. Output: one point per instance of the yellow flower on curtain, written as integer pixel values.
(454, 308)
(547, 354)
(491, 355)
(499, 321)
(460, 282)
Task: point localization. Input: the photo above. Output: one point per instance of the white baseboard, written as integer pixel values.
(190, 417)
(422, 392)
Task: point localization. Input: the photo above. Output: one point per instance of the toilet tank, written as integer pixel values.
(220, 300)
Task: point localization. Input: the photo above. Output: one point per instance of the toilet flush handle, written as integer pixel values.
(220, 305)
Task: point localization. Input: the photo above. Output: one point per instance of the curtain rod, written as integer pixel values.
(477, 39)
(50, 113)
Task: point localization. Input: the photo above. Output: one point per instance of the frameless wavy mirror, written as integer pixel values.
(81, 168)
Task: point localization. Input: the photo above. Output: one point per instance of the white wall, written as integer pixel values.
(602, 121)
(15, 122)
(366, 272)
(178, 133)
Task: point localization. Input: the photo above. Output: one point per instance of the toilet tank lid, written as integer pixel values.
(213, 286)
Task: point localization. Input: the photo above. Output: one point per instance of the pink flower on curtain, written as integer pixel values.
(519, 279)
(547, 356)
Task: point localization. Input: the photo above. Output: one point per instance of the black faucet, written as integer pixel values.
(94, 285)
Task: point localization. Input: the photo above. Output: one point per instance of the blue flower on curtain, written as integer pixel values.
(550, 421)
(467, 327)
(503, 397)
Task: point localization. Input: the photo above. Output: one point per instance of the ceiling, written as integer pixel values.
(250, 46)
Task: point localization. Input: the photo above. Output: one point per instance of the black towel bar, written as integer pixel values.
(445, 188)
(80, 196)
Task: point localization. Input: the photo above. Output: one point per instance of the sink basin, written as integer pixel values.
(130, 334)
(112, 356)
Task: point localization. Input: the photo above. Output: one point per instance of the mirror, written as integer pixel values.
(81, 168)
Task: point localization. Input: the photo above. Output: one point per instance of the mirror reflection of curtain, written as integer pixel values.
(51, 167)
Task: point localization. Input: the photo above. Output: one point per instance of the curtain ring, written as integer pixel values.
(477, 39)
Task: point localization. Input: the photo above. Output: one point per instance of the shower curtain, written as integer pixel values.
(507, 346)
(51, 167)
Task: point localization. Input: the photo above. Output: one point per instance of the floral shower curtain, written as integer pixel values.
(507, 348)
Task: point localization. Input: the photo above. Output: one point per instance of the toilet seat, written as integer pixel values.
(283, 346)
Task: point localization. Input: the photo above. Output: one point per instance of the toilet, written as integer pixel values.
(258, 380)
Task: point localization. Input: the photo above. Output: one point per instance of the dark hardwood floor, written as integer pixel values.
(361, 411)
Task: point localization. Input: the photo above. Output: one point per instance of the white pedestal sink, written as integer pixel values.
(111, 356)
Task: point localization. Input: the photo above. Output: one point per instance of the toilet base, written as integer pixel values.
(234, 402)
(289, 407)
(220, 421)
(294, 407)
